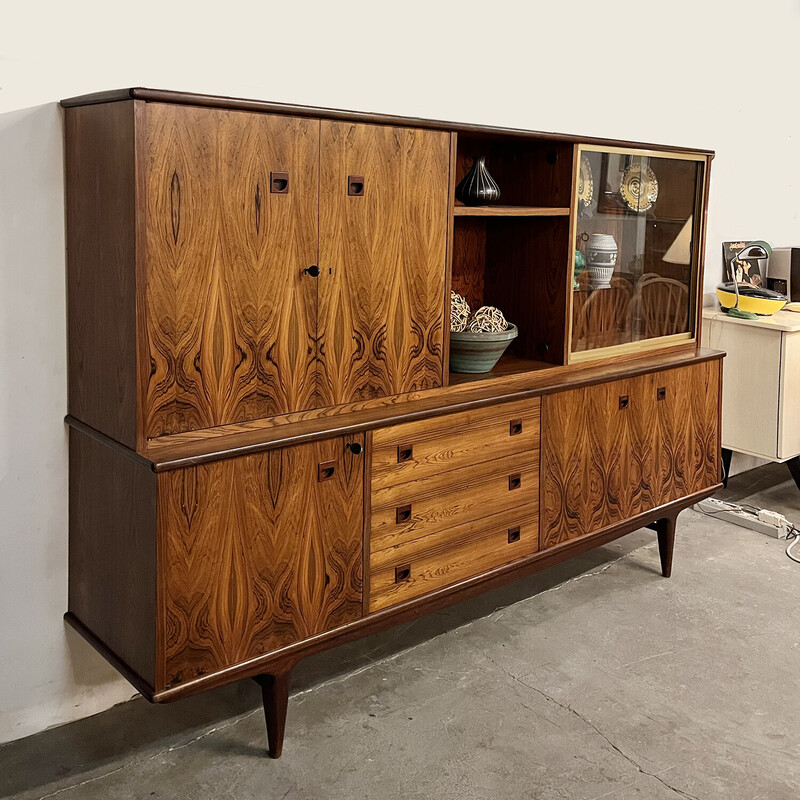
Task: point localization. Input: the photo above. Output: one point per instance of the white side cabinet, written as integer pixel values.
(761, 382)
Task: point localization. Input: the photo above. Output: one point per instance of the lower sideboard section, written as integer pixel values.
(199, 575)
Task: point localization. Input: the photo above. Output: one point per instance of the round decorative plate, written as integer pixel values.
(585, 183)
(639, 187)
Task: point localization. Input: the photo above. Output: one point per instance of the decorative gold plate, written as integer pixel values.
(585, 183)
(639, 187)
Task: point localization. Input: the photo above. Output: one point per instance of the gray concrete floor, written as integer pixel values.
(596, 679)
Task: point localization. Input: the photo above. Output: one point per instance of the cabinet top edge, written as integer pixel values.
(235, 103)
(184, 450)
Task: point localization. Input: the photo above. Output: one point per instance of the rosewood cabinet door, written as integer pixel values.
(687, 419)
(598, 462)
(616, 450)
(230, 223)
(256, 553)
(383, 230)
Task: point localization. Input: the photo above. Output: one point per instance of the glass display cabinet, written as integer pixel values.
(637, 230)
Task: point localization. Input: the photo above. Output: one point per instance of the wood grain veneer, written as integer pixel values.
(526, 263)
(231, 317)
(174, 452)
(441, 444)
(258, 553)
(450, 556)
(602, 463)
(101, 268)
(452, 498)
(112, 551)
(382, 259)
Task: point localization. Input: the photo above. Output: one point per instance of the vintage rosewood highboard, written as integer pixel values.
(268, 453)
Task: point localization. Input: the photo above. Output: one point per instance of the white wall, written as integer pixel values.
(690, 73)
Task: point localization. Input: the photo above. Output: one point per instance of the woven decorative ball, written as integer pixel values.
(487, 319)
(459, 312)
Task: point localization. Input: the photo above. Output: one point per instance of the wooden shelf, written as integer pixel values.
(507, 365)
(509, 211)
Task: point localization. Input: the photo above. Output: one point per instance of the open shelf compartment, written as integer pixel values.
(519, 265)
(532, 174)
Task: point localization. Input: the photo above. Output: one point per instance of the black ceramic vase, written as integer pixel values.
(478, 188)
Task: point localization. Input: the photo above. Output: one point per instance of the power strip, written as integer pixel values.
(767, 522)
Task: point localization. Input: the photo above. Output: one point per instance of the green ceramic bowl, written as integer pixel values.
(478, 352)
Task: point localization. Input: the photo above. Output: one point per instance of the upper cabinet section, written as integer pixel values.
(637, 222)
(227, 266)
(234, 261)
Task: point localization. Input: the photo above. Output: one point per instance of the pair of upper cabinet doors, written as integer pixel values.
(240, 208)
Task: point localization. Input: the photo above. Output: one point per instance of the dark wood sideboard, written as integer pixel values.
(269, 455)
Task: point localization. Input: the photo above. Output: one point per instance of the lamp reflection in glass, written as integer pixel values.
(680, 251)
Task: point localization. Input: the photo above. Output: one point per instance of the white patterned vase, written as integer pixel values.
(601, 259)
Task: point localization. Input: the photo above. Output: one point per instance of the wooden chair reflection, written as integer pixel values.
(660, 307)
(603, 318)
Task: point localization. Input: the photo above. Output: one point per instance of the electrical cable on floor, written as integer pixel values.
(792, 531)
(796, 533)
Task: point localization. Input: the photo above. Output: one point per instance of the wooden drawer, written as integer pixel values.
(426, 506)
(419, 450)
(420, 566)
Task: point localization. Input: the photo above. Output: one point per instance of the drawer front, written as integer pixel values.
(420, 508)
(419, 450)
(423, 565)
(615, 450)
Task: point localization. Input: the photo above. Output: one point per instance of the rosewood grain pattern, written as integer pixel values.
(463, 439)
(452, 498)
(604, 460)
(101, 268)
(175, 452)
(688, 457)
(469, 260)
(382, 261)
(112, 551)
(229, 313)
(258, 554)
(448, 282)
(450, 556)
(526, 264)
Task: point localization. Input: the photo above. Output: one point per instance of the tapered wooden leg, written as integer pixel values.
(275, 696)
(665, 528)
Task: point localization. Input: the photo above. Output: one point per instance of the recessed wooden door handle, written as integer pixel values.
(279, 182)
(661, 393)
(326, 470)
(623, 401)
(355, 448)
(402, 573)
(402, 513)
(405, 452)
(514, 481)
(355, 185)
(515, 427)
(513, 534)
